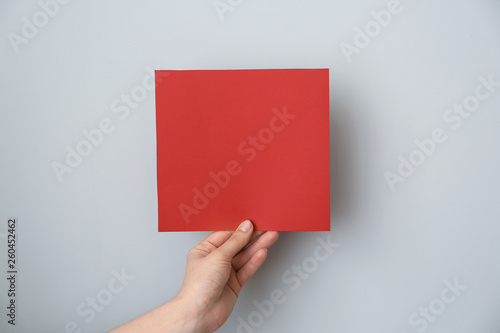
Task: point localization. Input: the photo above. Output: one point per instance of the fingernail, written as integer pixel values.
(245, 226)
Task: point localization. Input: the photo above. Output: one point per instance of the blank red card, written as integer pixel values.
(243, 144)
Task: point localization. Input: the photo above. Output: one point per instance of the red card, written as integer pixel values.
(243, 144)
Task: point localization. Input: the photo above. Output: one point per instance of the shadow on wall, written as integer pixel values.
(342, 139)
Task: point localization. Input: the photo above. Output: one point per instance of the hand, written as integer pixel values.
(216, 270)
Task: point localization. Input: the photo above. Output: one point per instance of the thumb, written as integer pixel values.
(238, 240)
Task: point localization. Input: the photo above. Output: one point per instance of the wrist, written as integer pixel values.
(189, 315)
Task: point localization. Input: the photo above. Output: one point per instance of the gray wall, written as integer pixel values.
(399, 250)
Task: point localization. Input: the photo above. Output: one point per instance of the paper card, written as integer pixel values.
(243, 144)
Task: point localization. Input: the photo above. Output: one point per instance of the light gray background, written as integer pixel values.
(396, 248)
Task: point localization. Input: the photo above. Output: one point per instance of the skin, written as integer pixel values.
(217, 268)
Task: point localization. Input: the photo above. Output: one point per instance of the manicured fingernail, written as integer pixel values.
(245, 226)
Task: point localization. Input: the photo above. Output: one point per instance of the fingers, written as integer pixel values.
(255, 235)
(218, 238)
(264, 242)
(209, 244)
(238, 240)
(249, 269)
